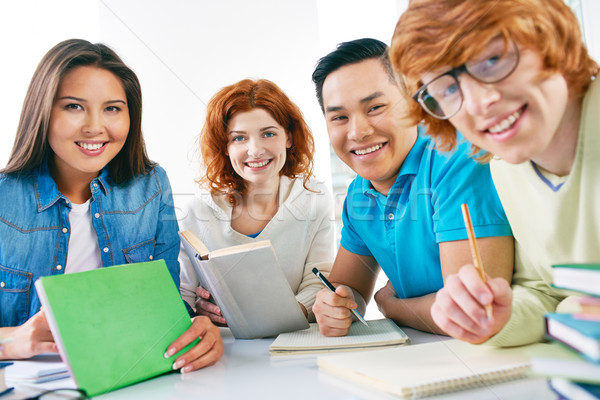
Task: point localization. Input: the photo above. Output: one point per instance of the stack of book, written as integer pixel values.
(573, 365)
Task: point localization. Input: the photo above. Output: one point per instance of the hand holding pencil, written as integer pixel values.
(470, 306)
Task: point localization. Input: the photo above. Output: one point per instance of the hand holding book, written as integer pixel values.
(205, 305)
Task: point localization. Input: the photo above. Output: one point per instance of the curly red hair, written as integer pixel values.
(244, 96)
(433, 33)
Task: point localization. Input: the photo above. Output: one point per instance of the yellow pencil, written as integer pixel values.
(475, 251)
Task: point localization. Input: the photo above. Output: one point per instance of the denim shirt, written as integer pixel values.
(134, 222)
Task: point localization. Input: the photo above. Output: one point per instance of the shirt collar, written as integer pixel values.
(47, 192)
(409, 167)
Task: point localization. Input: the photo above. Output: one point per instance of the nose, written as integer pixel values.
(360, 128)
(255, 148)
(94, 123)
(478, 97)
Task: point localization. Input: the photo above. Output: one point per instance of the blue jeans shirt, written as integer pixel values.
(134, 222)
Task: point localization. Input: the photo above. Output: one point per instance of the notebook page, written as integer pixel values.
(379, 332)
(430, 368)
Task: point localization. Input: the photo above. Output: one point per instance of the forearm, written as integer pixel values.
(413, 312)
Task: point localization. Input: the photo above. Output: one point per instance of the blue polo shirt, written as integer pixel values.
(422, 209)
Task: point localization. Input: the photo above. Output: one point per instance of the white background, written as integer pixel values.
(184, 51)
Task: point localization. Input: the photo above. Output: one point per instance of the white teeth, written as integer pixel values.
(368, 150)
(258, 164)
(506, 123)
(89, 146)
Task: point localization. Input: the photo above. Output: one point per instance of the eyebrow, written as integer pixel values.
(266, 128)
(370, 97)
(85, 101)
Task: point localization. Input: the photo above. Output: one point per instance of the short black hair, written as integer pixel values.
(347, 53)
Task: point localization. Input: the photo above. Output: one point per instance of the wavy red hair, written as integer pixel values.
(244, 96)
(434, 33)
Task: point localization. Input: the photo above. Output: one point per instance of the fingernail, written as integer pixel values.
(170, 352)
(186, 369)
(178, 364)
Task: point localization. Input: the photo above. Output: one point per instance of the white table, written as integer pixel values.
(247, 371)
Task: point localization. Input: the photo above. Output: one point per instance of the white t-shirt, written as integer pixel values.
(83, 252)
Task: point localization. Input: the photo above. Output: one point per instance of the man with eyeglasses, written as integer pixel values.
(515, 79)
(402, 212)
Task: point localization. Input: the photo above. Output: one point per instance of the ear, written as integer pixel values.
(289, 141)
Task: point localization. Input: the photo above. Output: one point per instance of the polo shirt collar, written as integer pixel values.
(410, 166)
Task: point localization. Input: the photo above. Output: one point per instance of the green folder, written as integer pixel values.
(113, 325)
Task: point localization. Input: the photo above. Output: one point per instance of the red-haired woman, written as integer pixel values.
(257, 151)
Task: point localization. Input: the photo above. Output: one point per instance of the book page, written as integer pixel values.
(378, 333)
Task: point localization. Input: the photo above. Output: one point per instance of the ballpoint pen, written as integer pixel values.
(332, 288)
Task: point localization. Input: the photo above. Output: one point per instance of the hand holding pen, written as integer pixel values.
(332, 308)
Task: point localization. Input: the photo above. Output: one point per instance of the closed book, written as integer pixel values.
(248, 285)
(560, 361)
(584, 278)
(379, 334)
(113, 325)
(582, 335)
(573, 390)
(422, 370)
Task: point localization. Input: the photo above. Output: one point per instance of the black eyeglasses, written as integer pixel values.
(442, 97)
(69, 394)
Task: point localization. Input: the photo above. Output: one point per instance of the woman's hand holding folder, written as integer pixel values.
(208, 350)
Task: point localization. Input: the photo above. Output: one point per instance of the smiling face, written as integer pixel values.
(257, 146)
(89, 123)
(523, 117)
(363, 111)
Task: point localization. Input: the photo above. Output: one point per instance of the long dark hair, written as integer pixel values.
(31, 147)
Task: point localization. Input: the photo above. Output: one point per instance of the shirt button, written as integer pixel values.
(97, 215)
(59, 267)
(105, 249)
(2, 284)
(94, 184)
(151, 257)
(67, 201)
(391, 216)
(65, 230)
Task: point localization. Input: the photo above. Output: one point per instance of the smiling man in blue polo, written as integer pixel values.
(402, 212)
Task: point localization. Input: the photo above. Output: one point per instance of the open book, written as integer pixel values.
(113, 325)
(380, 333)
(248, 285)
(428, 369)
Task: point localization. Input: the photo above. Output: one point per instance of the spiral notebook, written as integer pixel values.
(429, 369)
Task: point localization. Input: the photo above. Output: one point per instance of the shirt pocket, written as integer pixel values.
(140, 252)
(15, 287)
